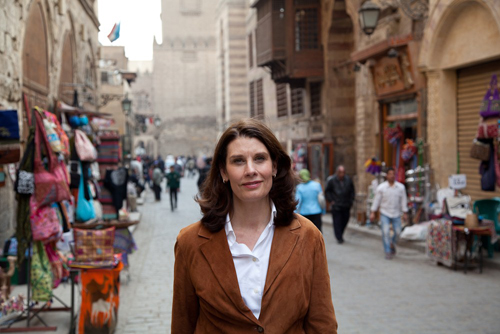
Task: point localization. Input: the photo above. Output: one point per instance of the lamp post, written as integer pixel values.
(126, 105)
(368, 17)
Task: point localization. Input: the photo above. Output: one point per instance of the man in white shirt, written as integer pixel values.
(390, 197)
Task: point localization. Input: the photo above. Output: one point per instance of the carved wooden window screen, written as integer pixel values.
(297, 101)
(252, 98)
(259, 98)
(306, 29)
(315, 90)
(281, 99)
(250, 51)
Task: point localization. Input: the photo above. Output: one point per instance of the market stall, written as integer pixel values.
(64, 228)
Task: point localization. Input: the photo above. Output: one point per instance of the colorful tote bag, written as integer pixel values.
(41, 275)
(94, 246)
(45, 224)
(100, 300)
(50, 185)
(490, 106)
(84, 148)
(84, 208)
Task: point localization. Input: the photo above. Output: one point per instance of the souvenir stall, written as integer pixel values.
(467, 229)
(62, 229)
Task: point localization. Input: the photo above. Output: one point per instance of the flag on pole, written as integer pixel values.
(115, 33)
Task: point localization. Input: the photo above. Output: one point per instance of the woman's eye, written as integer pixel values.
(237, 161)
(260, 159)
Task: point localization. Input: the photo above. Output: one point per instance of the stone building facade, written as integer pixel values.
(47, 50)
(184, 78)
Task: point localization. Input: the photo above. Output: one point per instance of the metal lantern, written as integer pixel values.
(368, 17)
(126, 105)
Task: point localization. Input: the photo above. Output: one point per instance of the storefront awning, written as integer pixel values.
(380, 48)
(66, 108)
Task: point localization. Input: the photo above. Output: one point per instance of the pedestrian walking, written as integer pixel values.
(157, 179)
(390, 197)
(307, 195)
(204, 173)
(173, 184)
(251, 264)
(339, 192)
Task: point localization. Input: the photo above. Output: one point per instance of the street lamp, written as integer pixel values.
(368, 17)
(157, 121)
(126, 105)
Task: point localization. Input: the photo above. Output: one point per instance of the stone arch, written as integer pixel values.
(442, 49)
(35, 56)
(67, 75)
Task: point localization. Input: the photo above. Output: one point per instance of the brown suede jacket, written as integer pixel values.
(297, 296)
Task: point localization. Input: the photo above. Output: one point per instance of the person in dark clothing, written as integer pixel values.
(157, 178)
(161, 164)
(173, 183)
(340, 193)
(203, 174)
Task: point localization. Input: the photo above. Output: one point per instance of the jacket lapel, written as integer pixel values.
(284, 242)
(216, 251)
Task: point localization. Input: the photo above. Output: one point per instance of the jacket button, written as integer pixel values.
(260, 329)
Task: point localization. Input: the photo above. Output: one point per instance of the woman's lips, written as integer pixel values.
(252, 185)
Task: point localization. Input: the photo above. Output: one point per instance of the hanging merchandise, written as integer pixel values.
(488, 128)
(409, 150)
(100, 300)
(488, 174)
(56, 265)
(52, 136)
(63, 137)
(393, 133)
(116, 182)
(50, 185)
(373, 166)
(41, 275)
(10, 149)
(25, 179)
(490, 106)
(84, 207)
(480, 150)
(84, 147)
(45, 224)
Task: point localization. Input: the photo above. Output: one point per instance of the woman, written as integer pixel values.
(251, 265)
(307, 195)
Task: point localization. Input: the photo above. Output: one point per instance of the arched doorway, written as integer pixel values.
(36, 57)
(341, 87)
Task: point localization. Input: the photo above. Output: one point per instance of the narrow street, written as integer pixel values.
(370, 294)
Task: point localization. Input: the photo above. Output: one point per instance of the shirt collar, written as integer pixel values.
(231, 236)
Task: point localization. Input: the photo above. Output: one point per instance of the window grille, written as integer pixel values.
(252, 99)
(297, 101)
(306, 29)
(260, 99)
(281, 99)
(315, 90)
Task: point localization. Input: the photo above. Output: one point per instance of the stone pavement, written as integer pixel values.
(409, 294)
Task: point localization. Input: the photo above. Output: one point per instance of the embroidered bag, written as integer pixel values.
(488, 128)
(25, 179)
(41, 275)
(490, 106)
(9, 125)
(94, 246)
(50, 185)
(84, 148)
(45, 224)
(480, 150)
(60, 132)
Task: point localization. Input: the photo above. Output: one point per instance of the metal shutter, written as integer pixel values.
(472, 85)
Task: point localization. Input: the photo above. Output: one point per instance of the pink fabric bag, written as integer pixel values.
(45, 224)
(50, 185)
(84, 148)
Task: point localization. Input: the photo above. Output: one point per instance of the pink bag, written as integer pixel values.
(52, 185)
(487, 130)
(84, 148)
(45, 224)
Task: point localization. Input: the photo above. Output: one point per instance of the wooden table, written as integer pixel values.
(469, 234)
(133, 219)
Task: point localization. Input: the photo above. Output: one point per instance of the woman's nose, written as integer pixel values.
(250, 169)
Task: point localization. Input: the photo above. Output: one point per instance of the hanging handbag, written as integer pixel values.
(50, 185)
(84, 208)
(25, 179)
(63, 137)
(94, 246)
(41, 275)
(488, 173)
(490, 106)
(45, 224)
(84, 148)
(56, 265)
(480, 150)
(10, 150)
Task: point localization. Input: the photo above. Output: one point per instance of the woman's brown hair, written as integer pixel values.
(216, 200)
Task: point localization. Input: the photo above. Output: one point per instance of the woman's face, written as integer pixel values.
(249, 169)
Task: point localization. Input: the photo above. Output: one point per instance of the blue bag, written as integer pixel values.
(9, 125)
(84, 208)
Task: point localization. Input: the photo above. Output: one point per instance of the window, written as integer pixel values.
(260, 99)
(281, 99)
(297, 101)
(104, 77)
(252, 99)
(306, 25)
(250, 51)
(315, 90)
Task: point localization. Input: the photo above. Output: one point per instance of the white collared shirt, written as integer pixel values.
(251, 266)
(391, 200)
